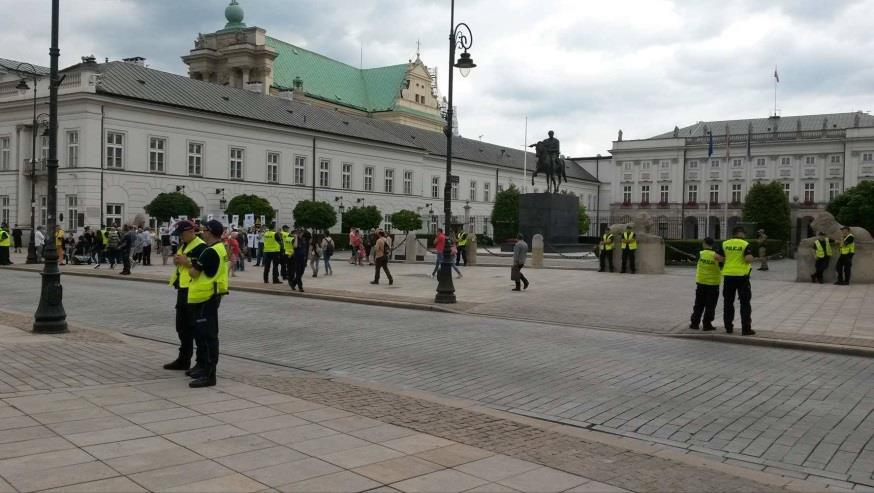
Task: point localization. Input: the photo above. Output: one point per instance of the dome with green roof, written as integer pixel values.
(234, 14)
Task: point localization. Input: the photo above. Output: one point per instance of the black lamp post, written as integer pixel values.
(460, 36)
(50, 316)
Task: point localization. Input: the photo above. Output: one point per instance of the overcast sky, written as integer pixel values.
(585, 68)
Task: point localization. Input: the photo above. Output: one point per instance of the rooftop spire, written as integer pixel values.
(234, 14)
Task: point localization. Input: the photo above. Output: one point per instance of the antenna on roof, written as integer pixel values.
(418, 51)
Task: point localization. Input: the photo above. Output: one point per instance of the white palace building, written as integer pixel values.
(255, 116)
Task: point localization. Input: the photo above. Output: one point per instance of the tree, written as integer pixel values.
(315, 215)
(250, 204)
(175, 204)
(406, 220)
(367, 217)
(767, 206)
(855, 207)
(583, 220)
(505, 214)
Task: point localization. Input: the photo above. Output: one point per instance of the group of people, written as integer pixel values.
(286, 252)
(823, 254)
(628, 245)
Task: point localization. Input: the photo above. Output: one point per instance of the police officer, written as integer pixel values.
(605, 256)
(180, 279)
(5, 243)
(461, 243)
(845, 261)
(738, 256)
(823, 252)
(272, 253)
(209, 282)
(289, 240)
(707, 279)
(629, 248)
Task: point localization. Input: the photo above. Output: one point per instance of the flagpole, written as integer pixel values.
(776, 80)
(525, 159)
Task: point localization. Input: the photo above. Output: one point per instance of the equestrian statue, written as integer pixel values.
(550, 162)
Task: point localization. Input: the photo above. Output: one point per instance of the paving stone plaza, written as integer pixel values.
(585, 382)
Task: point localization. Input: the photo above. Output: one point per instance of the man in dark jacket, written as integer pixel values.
(16, 238)
(128, 239)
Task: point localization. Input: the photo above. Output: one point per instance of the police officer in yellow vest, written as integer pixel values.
(605, 256)
(823, 252)
(288, 249)
(5, 243)
(272, 253)
(209, 282)
(845, 261)
(736, 281)
(629, 248)
(191, 248)
(708, 276)
(461, 242)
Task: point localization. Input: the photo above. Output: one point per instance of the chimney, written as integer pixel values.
(90, 59)
(286, 94)
(137, 60)
(255, 86)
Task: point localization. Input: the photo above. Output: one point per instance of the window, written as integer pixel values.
(300, 164)
(114, 150)
(693, 164)
(389, 180)
(626, 194)
(809, 160)
(834, 189)
(761, 162)
(487, 192)
(72, 148)
(714, 163)
(454, 190)
(5, 154)
(325, 173)
(272, 167)
(714, 193)
(644, 194)
(195, 158)
(836, 159)
(866, 156)
(664, 194)
(627, 166)
(157, 147)
(386, 223)
(646, 165)
(236, 161)
(4, 209)
(114, 214)
(472, 191)
(809, 189)
(408, 182)
(368, 179)
(692, 194)
(44, 148)
(43, 209)
(786, 161)
(787, 189)
(72, 213)
(346, 176)
(736, 193)
(435, 187)
(736, 163)
(665, 164)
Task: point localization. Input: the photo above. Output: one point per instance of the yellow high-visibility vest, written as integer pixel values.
(822, 252)
(608, 241)
(289, 241)
(735, 264)
(707, 272)
(181, 272)
(630, 239)
(270, 243)
(845, 248)
(204, 287)
(4, 238)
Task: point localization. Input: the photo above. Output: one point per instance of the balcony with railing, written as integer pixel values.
(826, 133)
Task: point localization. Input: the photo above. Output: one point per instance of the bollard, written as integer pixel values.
(471, 250)
(537, 252)
(411, 248)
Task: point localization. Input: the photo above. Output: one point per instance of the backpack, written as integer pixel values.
(329, 247)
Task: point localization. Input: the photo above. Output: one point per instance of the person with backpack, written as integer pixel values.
(327, 253)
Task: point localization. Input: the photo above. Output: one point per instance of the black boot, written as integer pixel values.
(194, 372)
(179, 364)
(206, 379)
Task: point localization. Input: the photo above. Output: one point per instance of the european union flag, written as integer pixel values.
(710, 145)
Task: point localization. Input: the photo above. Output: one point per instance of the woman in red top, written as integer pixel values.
(233, 248)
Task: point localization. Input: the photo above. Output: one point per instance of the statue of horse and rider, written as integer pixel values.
(550, 162)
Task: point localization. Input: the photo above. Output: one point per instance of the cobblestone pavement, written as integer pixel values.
(265, 428)
(782, 309)
(802, 413)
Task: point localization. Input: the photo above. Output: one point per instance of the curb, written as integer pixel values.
(781, 343)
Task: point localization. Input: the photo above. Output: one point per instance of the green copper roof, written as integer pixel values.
(371, 90)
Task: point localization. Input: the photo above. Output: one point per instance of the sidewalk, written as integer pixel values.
(93, 411)
(810, 315)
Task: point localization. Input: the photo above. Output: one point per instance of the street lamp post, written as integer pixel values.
(460, 36)
(50, 316)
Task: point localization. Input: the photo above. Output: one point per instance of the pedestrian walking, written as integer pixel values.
(259, 238)
(520, 255)
(166, 248)
(60, 238)
(708, 277)
(368, 242)
(847, 248)
(125, 246)
(762, 239)
(272, 253)
(738, 256)
(209, 282)
(112, 241)
(823, 253)
(39, 241)
(605, 253)
(69, 247)
(315, 255)
(327, 253)
(192, 247)
(453, 249)
(629, 249)
(233, 250)
(241, 250)
(137, 246)
(146, 252)
(98, 251)
(381, 254)
(439, 245)
(354, 244)
(299, 259)
(5, 244)
(16, 238)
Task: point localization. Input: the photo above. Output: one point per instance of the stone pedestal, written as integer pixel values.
(863, 262)
(537, 252)
(650, 253)
(410, 248)
(471, 250)
(555, 216)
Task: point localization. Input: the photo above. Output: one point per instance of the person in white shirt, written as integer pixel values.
(40, 241)
(251, 239)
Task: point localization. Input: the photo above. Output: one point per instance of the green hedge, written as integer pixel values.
(692, 247)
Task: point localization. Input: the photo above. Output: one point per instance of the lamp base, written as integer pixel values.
(445, 287)
(50, 317)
